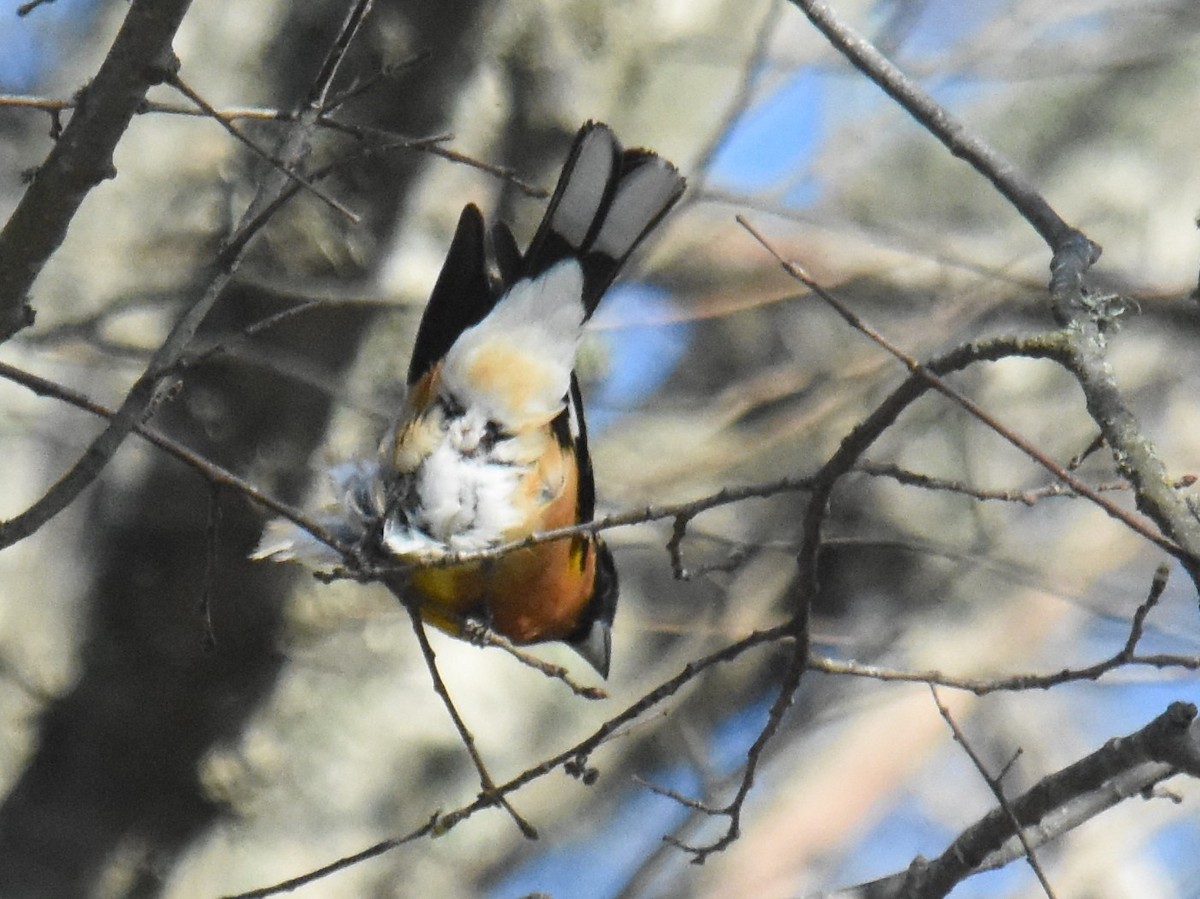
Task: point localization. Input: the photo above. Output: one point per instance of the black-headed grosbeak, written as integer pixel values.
(491, 446)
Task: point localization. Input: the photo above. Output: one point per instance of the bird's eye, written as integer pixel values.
(493, 434)
(451, 407)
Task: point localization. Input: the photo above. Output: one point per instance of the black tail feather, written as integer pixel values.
(606, 201)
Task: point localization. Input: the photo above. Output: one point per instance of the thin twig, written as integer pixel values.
(1028, 497)
(26, 8)
(1157, 585)
(1012, 684)
(936, 119)
(1132, 521)
(430, 827)
(364, 132)
(322, 85)
(1079, 458)
(224, 345)
(475, 632)
(212, 534)
(213, 473)
(1125, 657)
(260, 212)
(228, 113)
(789, 683)
(280, 166)
(361, 87)
(574, 758)
(674, 795)
(997, 789)
(391, 140)
(489, 792)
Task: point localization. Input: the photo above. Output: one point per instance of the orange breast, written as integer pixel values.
(529, 595)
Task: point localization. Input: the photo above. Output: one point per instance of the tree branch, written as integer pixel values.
(1168, 745)
(140, 57)
(166, 362)
(1073, 252)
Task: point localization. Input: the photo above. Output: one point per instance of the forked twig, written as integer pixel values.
(489, 792)
(574, 758)
(140, 401)
(922, 372)
(278, 164)
(1126, 656)
(997, 789)
(488, 637)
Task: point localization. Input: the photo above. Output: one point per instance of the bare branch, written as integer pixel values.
(26, 8)
(488, 637)
(429, 828)
(361, 87)
(573, 760)
(789, 683)
(994, 784)
(213, 473)
(363, 132)
(432, 145)
(280, 166)
(165, 364)
(1135, 455)
(1073, 252)
(82, 157)
(1026, 446)
(336, 54)
(489, 793)
(1028, 497)
(1168, 745)
(1126, 656)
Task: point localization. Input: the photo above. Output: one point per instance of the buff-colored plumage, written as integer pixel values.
(490, 446)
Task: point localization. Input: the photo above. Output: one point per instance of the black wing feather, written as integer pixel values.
(508, 255)
(461, 298)
(586, 507)
(570, 430)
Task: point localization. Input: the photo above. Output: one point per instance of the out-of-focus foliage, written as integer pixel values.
(311, 731)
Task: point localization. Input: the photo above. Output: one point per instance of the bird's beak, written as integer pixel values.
(596, 647)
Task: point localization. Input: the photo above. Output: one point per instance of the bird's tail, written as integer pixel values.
(607, 200)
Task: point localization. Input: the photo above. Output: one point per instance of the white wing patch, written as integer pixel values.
(466, 505)
(508, 376)
(514, 367)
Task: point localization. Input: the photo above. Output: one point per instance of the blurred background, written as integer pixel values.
(137, 761)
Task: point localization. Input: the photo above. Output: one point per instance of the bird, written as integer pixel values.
(490, 445)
